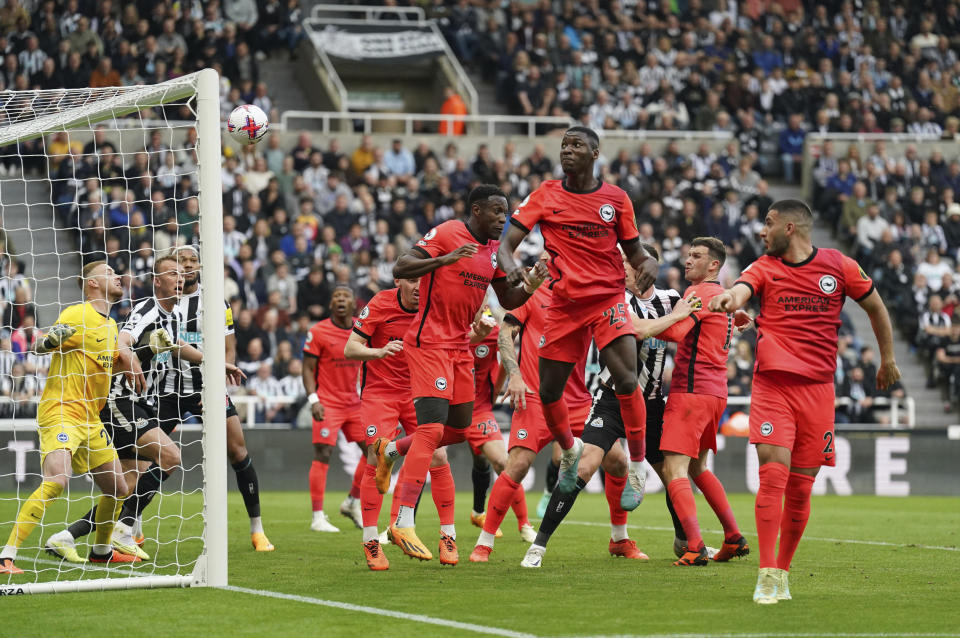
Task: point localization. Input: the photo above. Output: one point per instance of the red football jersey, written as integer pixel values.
(381, 321)
(450, 296)
(336, 375)
(581, 231)
(532, 317)
(700, 366)
(800, 308)
(485, 370)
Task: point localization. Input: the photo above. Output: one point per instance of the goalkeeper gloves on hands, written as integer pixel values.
(160, 341)
(57, 335)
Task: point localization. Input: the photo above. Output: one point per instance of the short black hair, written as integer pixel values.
(651, 250)
(795, 207)
(589, 133)
(483, 192)
(713, 245)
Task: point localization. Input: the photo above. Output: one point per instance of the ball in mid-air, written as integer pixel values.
(248, 124)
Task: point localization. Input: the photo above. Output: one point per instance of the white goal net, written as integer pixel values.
(125, 175)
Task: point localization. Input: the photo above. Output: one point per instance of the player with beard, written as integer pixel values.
(801, 290)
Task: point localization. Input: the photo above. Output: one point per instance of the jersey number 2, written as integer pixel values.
(828, 437)
(616, 313)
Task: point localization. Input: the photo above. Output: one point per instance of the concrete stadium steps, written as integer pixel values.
(279, 72)
(49, 253)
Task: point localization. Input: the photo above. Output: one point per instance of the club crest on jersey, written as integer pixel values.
(482, 351)
(371, 430)
(597, 422)
(309, 337)
(543, 341)
(828, 284)
(521, 434)
(62, 437)
(365, 312)
(766, 429)
(493, 259)
(430, 234)
(324, 432)
(441, 383)
(607, 213)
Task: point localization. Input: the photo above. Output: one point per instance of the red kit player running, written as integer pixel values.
(458, 261)
(582, 220)
(698, 397)
(330, 380)
(377, 340)
(801, 290)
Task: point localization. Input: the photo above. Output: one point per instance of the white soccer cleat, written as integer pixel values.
(767, 584)
(384, 538)
(527, 533)
(350, 508)
(534, 557)
(321, 523)
(783, 587)
(569, 459)
(638, 478)
(123, 541)
(62, 545)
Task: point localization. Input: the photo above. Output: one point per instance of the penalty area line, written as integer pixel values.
(376, 611)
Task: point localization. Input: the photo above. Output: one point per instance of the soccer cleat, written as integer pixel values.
(544, 502)
(113, 557)
(406, 539)
(479, 519)
(376, 560)
(321, 523)
(350, 508)
(122, 541)
(7, 567)
(783, 587)
(766, 591)
(62, 546)
(680, 548)
(637, 480)
(736, 549)
(384, 464)
(626, 548)
(630, 498)
(533, 559)
(480, 554)
(261, 543)
(527, 533)
(140, 539)
(569, 459)
(448, 550)
(384, 537)
(693, 558)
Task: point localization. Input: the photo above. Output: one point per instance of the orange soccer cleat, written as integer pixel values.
(261, 543)
(407, 540)
(626, 548)
(384, 464)
(7, 567)
(114, 557)
(448, 550)
(693, 558)
(376, 560)
(479, 519)
(480, 554)
(736, 549)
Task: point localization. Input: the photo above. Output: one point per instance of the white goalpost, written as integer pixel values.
(126, 174)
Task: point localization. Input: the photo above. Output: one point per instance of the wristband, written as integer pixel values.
(313, 399)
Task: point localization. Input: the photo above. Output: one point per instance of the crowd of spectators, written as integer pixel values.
(766, 72)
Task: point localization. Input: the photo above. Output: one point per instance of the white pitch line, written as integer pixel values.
(788, 635)
(822, 539)
(430, 620)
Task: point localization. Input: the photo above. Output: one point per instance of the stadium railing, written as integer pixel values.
(320, 11)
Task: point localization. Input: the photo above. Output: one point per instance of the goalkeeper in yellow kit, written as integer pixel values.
(72, 438)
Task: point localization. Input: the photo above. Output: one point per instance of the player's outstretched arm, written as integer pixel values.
(888, 373)
(357, 349)
(54, 339)
(731, 299)
(417, 263)
(653, 327)
(646, 266)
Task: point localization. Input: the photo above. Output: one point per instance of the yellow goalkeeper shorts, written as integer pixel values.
(88, 443)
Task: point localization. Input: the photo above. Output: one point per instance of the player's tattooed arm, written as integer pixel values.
(643, 262)
(516, 388)
(888, 373)
(417, 263)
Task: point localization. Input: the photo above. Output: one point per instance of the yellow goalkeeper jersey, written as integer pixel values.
(79, 379)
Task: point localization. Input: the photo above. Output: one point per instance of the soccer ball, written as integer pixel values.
(248, 124)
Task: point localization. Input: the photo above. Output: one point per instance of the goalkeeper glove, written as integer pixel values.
(57, 335)
(160, 341)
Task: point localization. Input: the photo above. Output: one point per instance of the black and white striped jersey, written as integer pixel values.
(187, 378)
(651, 353)
(146, 317)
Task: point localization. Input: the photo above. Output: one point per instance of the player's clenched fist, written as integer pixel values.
(467, 250)
(724, 302)
(536, 276)
(887, 375)
(647, 273)
(516, 276)
(57, 335)
(390, 349)
(160, 341)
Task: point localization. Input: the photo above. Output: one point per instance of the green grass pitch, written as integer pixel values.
(902, 585)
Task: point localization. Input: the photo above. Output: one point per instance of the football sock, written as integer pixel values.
(796, 513)
(318, 484)
(519, 506)
(633, 408)
(618, 532)
(560, 504)
(371, 500)
(677, 527)
(501, 497)
(553, 475)
(767, 510)
(357, 477)
(613, 488)
(405, 516)
(146, 488)
(108, 508)
(682, 497)
(83, 525)
(370, 534)
(32, 511)
(444, 493)
(249, 486)
(558, 420)
(716, 497)
(481, 485)
(419, 456)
